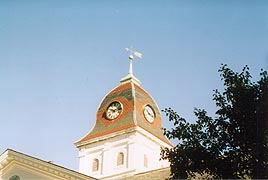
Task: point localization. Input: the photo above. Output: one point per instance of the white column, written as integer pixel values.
(106, 164)
(131, 153)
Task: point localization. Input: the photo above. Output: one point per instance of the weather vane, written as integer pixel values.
(132, 53)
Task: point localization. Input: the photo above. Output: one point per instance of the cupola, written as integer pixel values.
(128, 124)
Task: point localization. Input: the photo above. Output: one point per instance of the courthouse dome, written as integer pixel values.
(125, 107)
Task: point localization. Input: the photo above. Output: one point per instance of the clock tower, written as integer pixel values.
(127, 135)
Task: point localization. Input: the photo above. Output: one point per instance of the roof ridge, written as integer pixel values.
(134, 104)
(154, 170)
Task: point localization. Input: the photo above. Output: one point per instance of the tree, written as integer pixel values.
(234, 144)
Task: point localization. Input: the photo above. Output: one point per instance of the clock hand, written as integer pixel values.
(149, 112)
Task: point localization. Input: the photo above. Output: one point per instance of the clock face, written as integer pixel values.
(113, 110)
(149, 113)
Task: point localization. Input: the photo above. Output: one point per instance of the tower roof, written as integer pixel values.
(133, 100)
(126, 107)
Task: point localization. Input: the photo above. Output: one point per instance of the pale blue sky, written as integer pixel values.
(58, 59)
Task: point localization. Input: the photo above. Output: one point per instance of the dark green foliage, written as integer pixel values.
(234, 144)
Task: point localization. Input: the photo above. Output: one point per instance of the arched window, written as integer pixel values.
(120, 159)
(145, 160)
(95, 165)
(15, 178)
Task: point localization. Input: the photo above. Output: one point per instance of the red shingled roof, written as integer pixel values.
(133, 99)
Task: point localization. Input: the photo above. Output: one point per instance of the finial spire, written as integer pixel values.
(130, 76)
(130, 65)
(130, 57)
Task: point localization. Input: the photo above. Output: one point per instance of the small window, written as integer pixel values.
(15, 178)
(95, 165)
(120, 159)
(145, 161)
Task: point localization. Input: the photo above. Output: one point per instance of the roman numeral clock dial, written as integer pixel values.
(113, 110)
(149, 113)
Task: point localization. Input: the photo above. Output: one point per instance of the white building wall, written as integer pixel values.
(133, 145)
(151, 149)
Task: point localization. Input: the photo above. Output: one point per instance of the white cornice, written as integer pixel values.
(130, 78)
(10, 156)
(152, 137)
(105, 137)
(124, 132)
